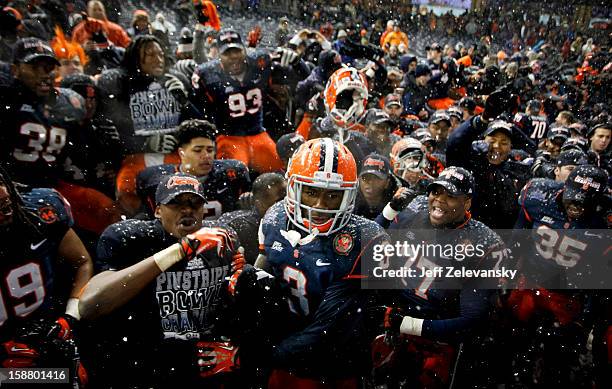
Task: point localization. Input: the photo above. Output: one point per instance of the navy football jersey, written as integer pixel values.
(560, 250)
(235, 106)
(34, 132)
(534, 126)
(222, 186)
(29, 258)
(321, 280)
(447, 300)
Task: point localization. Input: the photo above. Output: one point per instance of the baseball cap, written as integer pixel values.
(572, 157)
(29, 49)
(393, 99)
(434, 46)
(601, 125)
(579, 144)
(440, 116)
(377, 116)
(584, 183)
(423, 135)
(422, 70)
(534, 105)
(288, 143)
(176, 184)
(499, 125)
(229, 39)
(560, 133)
(376, 164)
(456, 180)
(456, 112)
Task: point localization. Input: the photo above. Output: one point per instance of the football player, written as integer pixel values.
(566, 242)
(411, 163)
(162, 285)
(223, 180)
(313, 244)
(435, 314)
(230, 91)
(36, 322)
(531, 122)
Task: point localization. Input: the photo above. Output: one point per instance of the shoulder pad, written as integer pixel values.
(261, 58)
(538, 192)
(207, 73)
(48, 205)
(70, 103)
(226, 166)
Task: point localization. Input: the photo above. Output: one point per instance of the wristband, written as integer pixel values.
(411, 326)
(168, 257)
(389, 213)
(72, 308)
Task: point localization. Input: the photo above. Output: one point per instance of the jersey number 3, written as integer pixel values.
(23, 281)
(45, 143)
(238, 103)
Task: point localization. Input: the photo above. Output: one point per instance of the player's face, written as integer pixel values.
(6, 207)
(378, 133)
(182, 216)
(394, 111)
(96, 10)
(454, 122)
(233, 61)
(152, 60)
(326, 199)
(197, 156)
(372, 188)
(439, 130)
(37, 75)
(562, 172)
(573, 209)
(500, 146)
(601, 139)
(445, 209)
(70, 66)
(553, 147)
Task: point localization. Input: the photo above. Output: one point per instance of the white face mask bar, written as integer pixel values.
(301, 215)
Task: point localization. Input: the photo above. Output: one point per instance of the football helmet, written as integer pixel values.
(326, 164)
(346, 96)
(407, 155)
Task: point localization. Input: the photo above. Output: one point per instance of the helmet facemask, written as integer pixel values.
(301, 215)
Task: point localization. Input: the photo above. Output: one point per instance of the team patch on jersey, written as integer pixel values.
(343, 243)
(231, 174)
(47, 214)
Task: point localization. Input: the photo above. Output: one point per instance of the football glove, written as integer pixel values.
(206, 239)
(401, 199)
(17, 355)
(216, 358)
(163, 143)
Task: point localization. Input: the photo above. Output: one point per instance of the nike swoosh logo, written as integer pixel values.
(222, 190)
(15, 349)
(34, 247)
(321, 263)
(593, 235)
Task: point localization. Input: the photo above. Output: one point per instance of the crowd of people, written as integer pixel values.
(185, 201)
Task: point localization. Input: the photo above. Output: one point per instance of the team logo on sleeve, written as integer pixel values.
(47, 214)
(343, 243)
